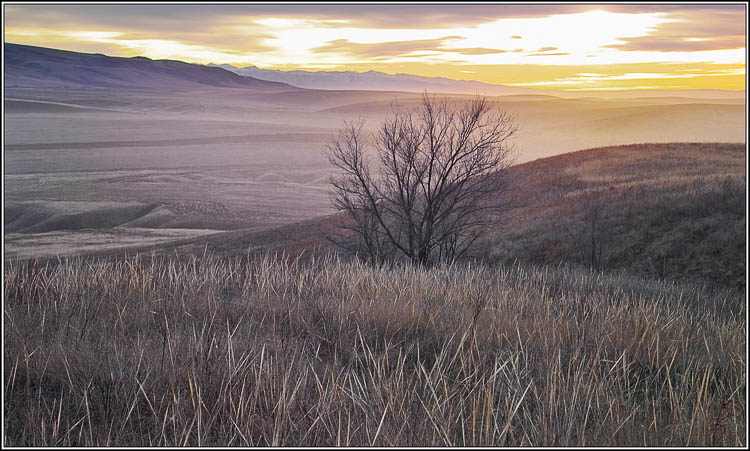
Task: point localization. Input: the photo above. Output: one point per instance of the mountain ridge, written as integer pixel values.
(380, 81)
(377, 81)
(41, 67)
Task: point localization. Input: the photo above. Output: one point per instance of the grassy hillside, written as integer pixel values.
(261, 352)
(674, 211)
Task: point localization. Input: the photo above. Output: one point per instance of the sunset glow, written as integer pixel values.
(569, 47)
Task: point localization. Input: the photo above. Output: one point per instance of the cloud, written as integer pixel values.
(693, 28)
(386, 49)
(549, 54)
(424, 47)
(173, 17)
(474, 51)
(135, 44)
(680, 43)
(587, 78)
(415, 16)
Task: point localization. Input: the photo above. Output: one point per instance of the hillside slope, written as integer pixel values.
(39, 67)
(664, 211)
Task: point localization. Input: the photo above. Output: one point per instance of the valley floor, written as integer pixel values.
(227, 159)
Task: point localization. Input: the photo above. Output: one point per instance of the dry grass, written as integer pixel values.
(668, 211)
(267, 352)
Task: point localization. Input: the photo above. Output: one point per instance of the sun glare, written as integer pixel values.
(562, 33)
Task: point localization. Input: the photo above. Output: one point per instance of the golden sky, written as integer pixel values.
(567, 47)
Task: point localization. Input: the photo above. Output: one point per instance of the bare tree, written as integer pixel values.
(591, 234)
(427, 184)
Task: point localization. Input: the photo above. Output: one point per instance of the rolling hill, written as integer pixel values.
(39, 67)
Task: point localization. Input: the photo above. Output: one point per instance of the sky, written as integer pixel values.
(547, 46)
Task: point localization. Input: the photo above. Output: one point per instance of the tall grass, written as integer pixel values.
(690, 231)
(267, 352)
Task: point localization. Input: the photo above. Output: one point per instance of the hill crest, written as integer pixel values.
(40, 67)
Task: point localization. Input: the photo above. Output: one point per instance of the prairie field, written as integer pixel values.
(266, 351)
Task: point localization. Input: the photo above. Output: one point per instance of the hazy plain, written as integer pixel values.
(86, 170)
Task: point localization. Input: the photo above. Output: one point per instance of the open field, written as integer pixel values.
(222, 159)
(48, 245)
(207, 351)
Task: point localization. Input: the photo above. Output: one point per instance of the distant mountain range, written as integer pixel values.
(39, 67)
(380, 81)
(377, 81)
